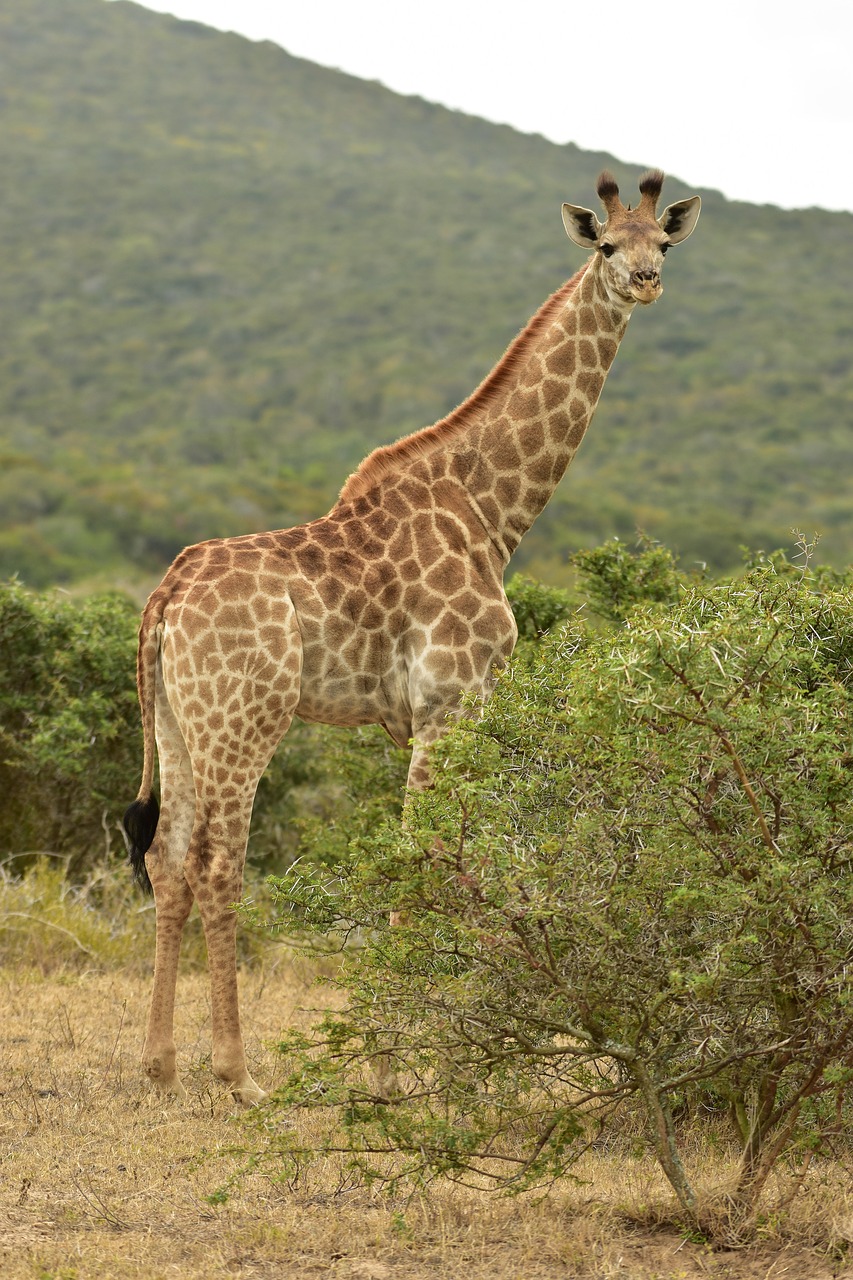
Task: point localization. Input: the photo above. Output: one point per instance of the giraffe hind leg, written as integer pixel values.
(214, 870)
(163, 868)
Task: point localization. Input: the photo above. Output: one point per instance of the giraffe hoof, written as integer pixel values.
(248, 1095)
(165, 1078)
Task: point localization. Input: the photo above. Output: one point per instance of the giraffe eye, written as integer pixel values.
(608, 250)
(663, 248)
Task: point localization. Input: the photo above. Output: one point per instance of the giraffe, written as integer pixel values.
(384, 611)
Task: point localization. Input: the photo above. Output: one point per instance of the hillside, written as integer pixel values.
(229, 273)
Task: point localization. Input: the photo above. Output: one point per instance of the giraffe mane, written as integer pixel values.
(391, 456)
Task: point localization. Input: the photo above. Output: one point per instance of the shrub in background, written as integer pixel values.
(69, 721)
(71, 740)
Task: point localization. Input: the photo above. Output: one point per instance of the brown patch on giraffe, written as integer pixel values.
(390, 595)
(451, 531)
(329, 590)
(336, 632)
(231, 617)
(410, 570)
(194, 620)
(427, 544)
(507, 491)
(262, 609)
(309, 605)
(237, 585)
(466, 603)
(480, 654)
(532, 373)
(531, 438)
(490, 622)
(569, 322)
(535, 498)
(523, 404)
(373, 617)
(446, 576)
(401, 546)
(441, 664)
(505, 455)
(558, 426)
(588, 351)
(539, 470)
(562, 359)
(554, 392)
(274, 639)
(464, 667)
(311, 559)
(607, 349)
(589, 383)
(423, 604)
(576, 434)
(395, 503)
(381, 524)
(587, 322)
(355, 649)
(354, 603)
(491, 511)
(379, 574)
(375, 650)
(270, 585)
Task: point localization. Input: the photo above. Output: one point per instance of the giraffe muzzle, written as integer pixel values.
(645, 285)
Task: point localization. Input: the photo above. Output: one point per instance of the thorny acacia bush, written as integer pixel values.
(630, 886)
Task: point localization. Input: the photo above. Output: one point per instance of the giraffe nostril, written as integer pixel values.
(640, 276)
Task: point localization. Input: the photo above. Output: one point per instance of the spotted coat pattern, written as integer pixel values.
(385, 611)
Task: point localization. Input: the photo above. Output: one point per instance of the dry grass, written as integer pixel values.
(100, 1178)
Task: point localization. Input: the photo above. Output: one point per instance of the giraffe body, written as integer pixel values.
(385, 611)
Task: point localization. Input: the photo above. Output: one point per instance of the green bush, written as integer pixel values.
(70, 745)
(71, 738)
(630, 885)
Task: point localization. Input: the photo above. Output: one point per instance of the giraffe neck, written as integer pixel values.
(524, 436)
(511, 441)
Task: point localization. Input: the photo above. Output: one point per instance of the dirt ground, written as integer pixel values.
(100, 1178)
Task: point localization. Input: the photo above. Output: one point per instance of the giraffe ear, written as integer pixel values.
(678, 220)
(581, 225)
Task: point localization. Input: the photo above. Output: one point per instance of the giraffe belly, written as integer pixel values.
(338, 690)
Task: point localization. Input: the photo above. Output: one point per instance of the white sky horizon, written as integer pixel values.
(750, 98)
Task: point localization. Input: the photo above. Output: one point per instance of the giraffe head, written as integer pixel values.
(630, 245)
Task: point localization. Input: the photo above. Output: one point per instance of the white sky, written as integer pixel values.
(752, 97)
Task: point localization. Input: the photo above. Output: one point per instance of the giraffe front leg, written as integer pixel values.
(419, 778)
(173, 897)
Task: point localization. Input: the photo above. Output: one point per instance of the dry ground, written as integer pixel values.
(99, 1178)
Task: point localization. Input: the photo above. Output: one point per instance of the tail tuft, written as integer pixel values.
(140, 824)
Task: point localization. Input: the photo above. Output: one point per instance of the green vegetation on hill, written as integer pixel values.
(228, 274)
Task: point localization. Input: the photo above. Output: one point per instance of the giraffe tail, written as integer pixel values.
(140, 824)
(141, 817)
